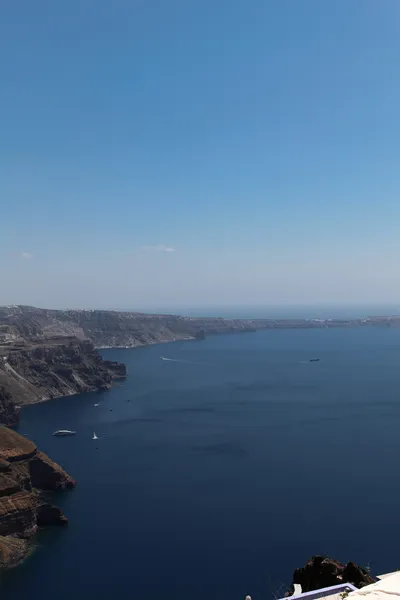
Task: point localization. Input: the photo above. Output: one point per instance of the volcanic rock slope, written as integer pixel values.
(25, 474)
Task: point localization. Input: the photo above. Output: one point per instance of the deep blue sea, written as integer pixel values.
(219, 471)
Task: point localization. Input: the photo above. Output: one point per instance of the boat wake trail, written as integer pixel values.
(181, 360)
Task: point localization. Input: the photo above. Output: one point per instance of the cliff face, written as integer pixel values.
(24, 473)
(111, 328)
(116, 329)
(9, 413)
(34, 371)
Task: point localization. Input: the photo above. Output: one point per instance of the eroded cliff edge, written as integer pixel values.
(26, 475)
(107, 328)
(35, 370)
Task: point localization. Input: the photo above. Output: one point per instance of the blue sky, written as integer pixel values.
(199, 152)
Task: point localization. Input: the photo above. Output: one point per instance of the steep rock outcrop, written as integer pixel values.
(45, 474)
(12, 551)
(107, 328)
(49, 515)
(321, 571)
(32, 372)
(18, 514)
(9, 413)
(24, 472)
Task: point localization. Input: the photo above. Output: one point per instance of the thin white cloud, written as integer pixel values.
(26, 255)
(157, 248)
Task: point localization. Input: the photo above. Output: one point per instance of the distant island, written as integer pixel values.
(46, 354)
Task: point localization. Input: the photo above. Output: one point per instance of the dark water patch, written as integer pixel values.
(268, 386)
(139, 420)
(193, 409)
(224, 449)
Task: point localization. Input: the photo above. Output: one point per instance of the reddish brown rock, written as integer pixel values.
(321, 571)
(48, 515)
(47, 475)
(12, 551)
(15, 447)
(24, 470)
(18, 514)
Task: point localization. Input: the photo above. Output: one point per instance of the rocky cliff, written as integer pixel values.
(25, 473)
(9, 412)
(32, 371)
(321, 571)
(49, 353)
(106, 328)
(111, 328)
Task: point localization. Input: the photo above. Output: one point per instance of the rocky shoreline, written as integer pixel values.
(45, 353)
(37, 364)
(36, 371)
(111, 329)
(26, 477)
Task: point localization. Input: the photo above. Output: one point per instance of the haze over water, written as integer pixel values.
(219, 471)
(282, 311)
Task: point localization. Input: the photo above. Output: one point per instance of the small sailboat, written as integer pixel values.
(94, 436)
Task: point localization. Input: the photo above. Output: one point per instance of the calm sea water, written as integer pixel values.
(219, 471)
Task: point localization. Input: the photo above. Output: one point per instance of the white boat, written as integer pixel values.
(64, 432)
(95, 405)
(94, 436)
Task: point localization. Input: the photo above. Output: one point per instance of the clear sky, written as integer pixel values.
(199, 152)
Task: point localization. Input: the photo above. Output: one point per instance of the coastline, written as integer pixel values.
(27, 476)
(151, 343)
(49, 354)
